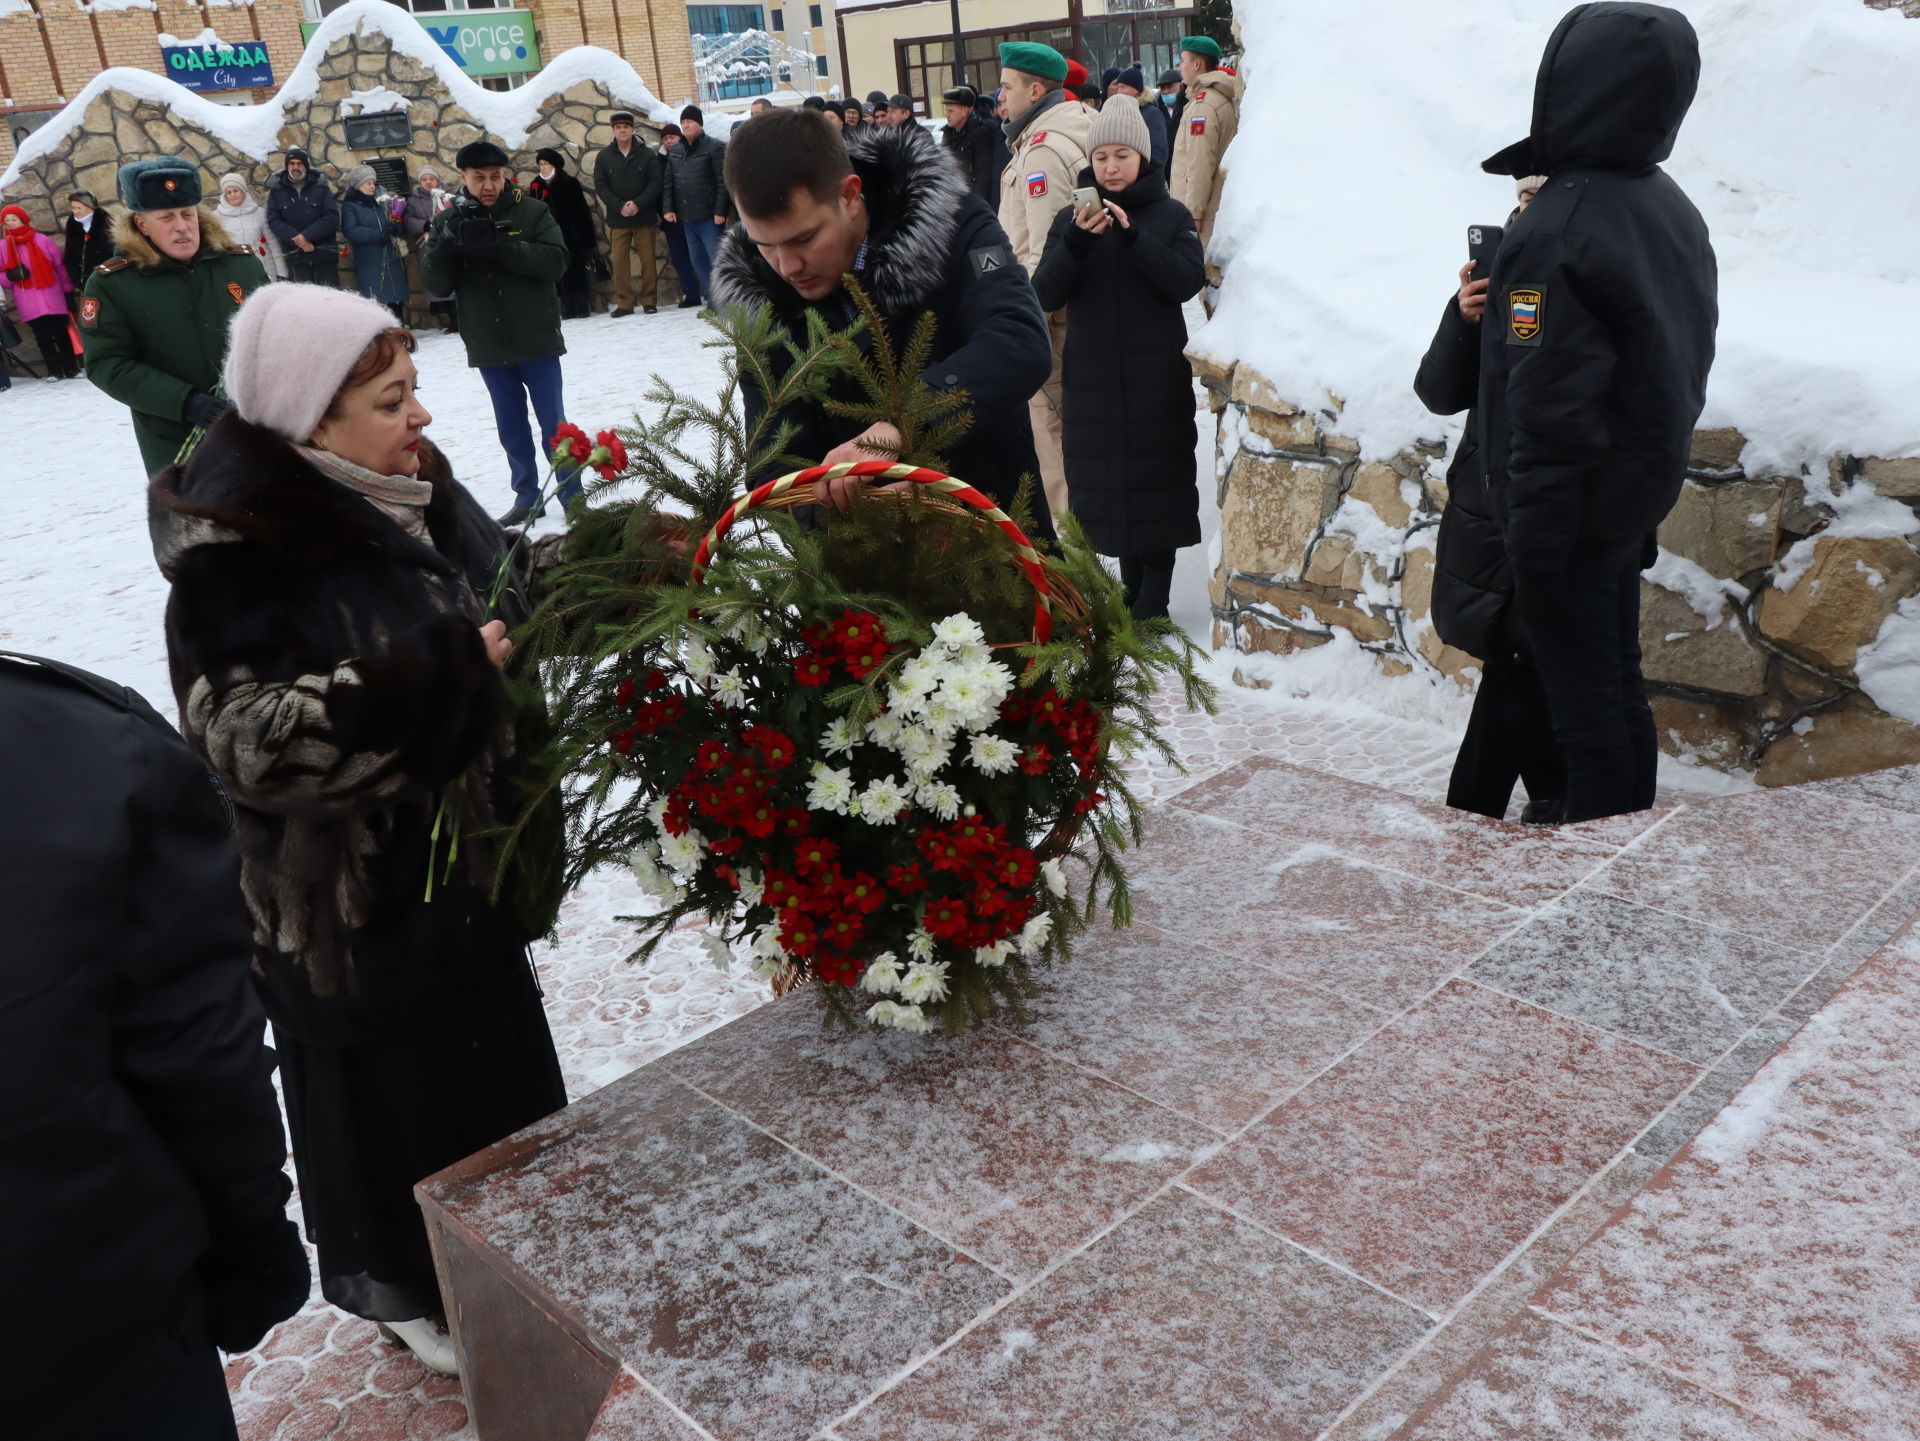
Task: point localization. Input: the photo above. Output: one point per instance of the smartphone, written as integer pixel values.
(1483, 243)
(1086, 198)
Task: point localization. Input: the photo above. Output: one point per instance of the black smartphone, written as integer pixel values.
(1483, 243)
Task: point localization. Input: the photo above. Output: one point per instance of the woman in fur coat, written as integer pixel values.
(337, 663)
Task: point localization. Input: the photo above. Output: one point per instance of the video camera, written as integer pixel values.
(473, 229)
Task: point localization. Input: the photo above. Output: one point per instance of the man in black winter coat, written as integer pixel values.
(888, 208)
(142, 1219)
(977, 141)
(1595, 352)
(629, 177)
(304, 217)
(696, 192)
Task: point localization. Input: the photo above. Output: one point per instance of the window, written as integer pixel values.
(779, 22)
(926, 65)
(813, 19)
(821, 64)
(725, 19)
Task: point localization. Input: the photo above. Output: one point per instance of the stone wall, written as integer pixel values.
(1752, 621)
(119, 126)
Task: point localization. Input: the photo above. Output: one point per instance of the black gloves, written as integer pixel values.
(203, 409)
(476, 235)
(254, 1281)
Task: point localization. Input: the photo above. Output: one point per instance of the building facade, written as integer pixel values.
(743, 51)
(909, 45)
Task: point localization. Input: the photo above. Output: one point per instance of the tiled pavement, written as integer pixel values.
(1293, 1157)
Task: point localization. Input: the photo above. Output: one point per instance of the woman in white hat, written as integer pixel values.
(246, 221)
(338, 665)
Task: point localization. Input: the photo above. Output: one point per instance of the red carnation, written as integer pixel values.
(570, 447)
(616, 461)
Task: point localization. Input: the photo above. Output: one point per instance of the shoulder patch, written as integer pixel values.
(1036, 185)
(119, 262)
(90, 309)
(1197, 125)
(1526, 315)
(239, 250)
(1038, 138)
(991, 259)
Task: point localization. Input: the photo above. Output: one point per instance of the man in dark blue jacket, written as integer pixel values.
(305, 218)
(887, 207)
(142, 1218)
(1598, 337)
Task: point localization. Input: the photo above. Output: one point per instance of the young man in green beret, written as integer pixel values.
(1207, 127)
(1047, 133)
(153, 320)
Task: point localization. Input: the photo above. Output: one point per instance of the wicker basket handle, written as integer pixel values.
(1025, 555)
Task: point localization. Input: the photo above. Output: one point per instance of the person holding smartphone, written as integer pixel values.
(1120, 262)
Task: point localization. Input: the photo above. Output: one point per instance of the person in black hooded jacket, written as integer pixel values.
(887, 206)
(1123, 270)
(1594, 359)
(1510, 733)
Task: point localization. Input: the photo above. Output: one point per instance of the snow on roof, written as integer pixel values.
(1352, 182)
(254, 130)
(377, 101)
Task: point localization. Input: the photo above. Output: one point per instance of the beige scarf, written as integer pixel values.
(401, 498)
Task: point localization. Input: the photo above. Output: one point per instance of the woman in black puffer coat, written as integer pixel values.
(1123, 271)
(567, 199)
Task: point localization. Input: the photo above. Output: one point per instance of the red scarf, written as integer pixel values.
(23, 248)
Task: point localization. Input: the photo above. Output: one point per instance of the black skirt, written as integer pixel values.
(368, 1121)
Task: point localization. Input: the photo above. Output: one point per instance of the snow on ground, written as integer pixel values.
(1360, 174)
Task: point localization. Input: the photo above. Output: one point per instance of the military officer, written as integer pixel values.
(1047, 132)
(1206, 128)
(153, 320)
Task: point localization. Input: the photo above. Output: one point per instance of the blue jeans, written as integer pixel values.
(682, 262)
(511, 387)
(703, 239)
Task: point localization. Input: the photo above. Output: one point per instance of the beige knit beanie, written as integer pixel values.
(1119, 123)
(290, 349)
(1529, 182)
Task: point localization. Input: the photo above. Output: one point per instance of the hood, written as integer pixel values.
(914, 195)
(214, 240)
(1225, 81)
(1615, 82)
(245, 485)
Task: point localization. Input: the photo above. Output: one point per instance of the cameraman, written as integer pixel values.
(499, 253)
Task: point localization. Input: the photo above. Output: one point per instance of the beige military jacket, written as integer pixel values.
(1038, 182)
(1207, 127)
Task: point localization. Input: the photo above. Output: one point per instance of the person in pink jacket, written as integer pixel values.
(34, 268)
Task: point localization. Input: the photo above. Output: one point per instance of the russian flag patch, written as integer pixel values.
(1036, 185)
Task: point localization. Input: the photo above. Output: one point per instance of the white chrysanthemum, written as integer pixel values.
(682, 854)
(924, 751)
(1033, 936)
(993, 755)
(749, 633)
(831, 789)
(926, 981)
(920, 944)
(766, 944)
(958, 631)
(657, 813)
(753, 886)
(840, 737)
(730, 689)
(899, 1017)
(882, 801)
(1055, 877)
(883, 975)
(939, 717)
(939, 797)
(971, 694)
(719, 953)
(699, 660)
(913, 682)
(886, 729)
(646, 870)
(995, 955)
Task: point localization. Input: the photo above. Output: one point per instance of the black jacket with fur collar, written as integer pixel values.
(329, 668)
(932, 246)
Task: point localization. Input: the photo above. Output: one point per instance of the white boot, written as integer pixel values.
(427, 1341)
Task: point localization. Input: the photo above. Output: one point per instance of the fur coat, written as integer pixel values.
(329, 668)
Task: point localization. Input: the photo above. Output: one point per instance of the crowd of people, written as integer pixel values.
(357, 702)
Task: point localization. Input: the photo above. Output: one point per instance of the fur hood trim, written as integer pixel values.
(128, 240)
(246, 485)
(914, 194)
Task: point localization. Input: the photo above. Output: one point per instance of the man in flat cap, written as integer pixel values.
(630, 178)
(1047, 133)
(1206, 129)
(977, 141)
(153, 320)
(498, 252)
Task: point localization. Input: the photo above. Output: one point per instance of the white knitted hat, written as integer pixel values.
(290, 350)
(1119, 123)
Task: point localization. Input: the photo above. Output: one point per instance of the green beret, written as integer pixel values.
(1203, 46)
(163, 184)
(1041, 60)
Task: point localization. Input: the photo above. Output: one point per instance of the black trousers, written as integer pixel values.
(321, 266)
(1580, 615)
(1148, 577)
(56, 345)
(1509, 738)
(191, 1406)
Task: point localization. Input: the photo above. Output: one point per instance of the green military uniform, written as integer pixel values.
(509, 309)
(155, 329)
